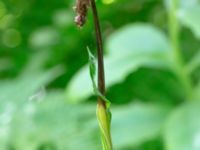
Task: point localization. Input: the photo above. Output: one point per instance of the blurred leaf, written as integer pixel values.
(127, 53)
(138, 40)
(183, 128)
(194, 63)
(137, 123)
(5, 64)
(190, 18)
(183, 3)
(187, 4)
(75, 126)
(18, 92)
(22, 88)
(36, 63)
(44, 37)
(32, 79)
(53, 121)
(149, 85)
(188, 14)
(196, 92)
(63, 18)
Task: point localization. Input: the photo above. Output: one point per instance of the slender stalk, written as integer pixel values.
(174, 36)
(101, 76)
(103, 113)
(103, 106)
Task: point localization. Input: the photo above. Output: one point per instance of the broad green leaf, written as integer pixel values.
(16, 93)
(182, 131)
(189, 17)
(137, 123)
(22, 88)
(53, 121)
(188, 14)
(32, 79)
(138, 40)
(129, 48)
(75, 126)
(158, 90)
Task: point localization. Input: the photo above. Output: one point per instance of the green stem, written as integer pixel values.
(174, 36)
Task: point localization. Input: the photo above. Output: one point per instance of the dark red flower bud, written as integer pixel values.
(81, 9)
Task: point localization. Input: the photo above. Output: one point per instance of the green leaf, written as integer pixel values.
(53, 121)
(137, 123)
(16, 93)
(187, 4)
(196, 92)
(189, 17)
(92, 69)
(22, 88)
(193, 64)
(92, 64)
(158, 90)
(138, 40)
(127, 52)
(44, 37)
(75, 126)
(32, 79)
(182, 131)
(183, 3)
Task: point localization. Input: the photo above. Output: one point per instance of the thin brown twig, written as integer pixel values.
(101, 76)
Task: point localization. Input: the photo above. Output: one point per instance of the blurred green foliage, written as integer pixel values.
(46, 100)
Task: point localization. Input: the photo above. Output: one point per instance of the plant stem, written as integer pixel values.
(103, 113)
(101, 76)
(174, 36)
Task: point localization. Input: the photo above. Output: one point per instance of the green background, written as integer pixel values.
(46, 96)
